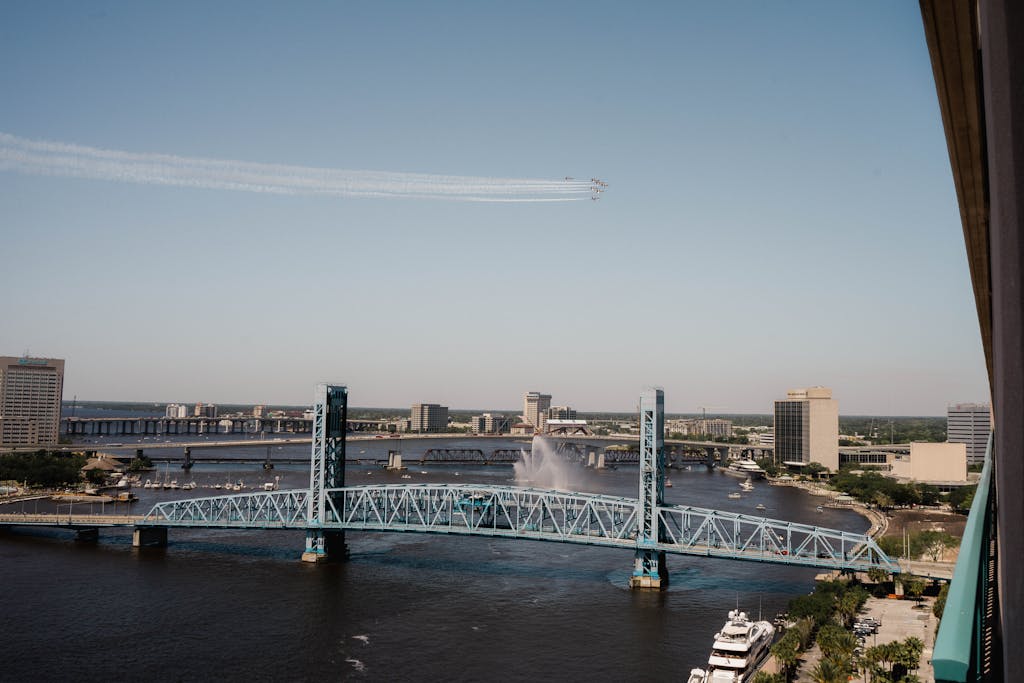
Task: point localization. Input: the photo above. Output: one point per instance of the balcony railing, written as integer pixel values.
(965, 648)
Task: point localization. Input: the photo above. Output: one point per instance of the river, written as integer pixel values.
(404, 607)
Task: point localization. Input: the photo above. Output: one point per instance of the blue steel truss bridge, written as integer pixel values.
(531, 514)
(645, 524)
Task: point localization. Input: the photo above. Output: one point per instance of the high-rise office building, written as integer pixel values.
(807, 428)
(970, 423)
(535, 409)
(30, 394)
(561, 413)
(428, 417)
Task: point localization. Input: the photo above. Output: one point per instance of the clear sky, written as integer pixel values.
(780, 210)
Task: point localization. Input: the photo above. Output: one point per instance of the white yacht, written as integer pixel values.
(744, 468)
(739, 648)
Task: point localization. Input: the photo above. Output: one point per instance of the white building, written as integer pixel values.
(488, 423)
(176, 410)
(807, 428)
(31, 390)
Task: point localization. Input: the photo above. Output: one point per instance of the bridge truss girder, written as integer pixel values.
(535, 514)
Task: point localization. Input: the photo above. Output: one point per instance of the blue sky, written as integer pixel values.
(780, 212)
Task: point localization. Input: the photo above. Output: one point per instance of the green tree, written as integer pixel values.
(940, 601)
(912, 585)
(815, 468)
(787, 652)
(878, 575)
(762, 677)
(829, 670)
(140, 462)
(850, 602)
(836, 642)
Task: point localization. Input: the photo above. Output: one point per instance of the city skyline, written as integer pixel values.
(780, 205)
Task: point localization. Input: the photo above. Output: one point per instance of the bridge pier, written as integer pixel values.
(650, 572)
(322, 546)
(149, 536)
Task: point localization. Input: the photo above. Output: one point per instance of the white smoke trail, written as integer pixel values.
(40, 157)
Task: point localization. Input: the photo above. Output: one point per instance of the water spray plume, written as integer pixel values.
(38, 157)
(542, 468)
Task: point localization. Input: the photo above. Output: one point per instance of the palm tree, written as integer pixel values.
(787, 652)
(847, 606)
(828, 671)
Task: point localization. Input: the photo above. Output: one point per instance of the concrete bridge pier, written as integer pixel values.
(650, 572)
(711, 452)
(87, 535)
(322, 546)
(187, 465)
(144, 536)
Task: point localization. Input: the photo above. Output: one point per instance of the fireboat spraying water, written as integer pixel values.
(541, 467)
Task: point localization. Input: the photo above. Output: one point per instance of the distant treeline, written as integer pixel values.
(41, 468)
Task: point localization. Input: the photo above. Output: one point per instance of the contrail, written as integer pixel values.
(39, 157)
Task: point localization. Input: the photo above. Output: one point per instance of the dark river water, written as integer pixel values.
(404, 607)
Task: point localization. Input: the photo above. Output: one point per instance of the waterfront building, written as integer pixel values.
(561, 413)
(807, 428)
(428, 417)
(932, 463)
(941, 464)
(970, 424)
(701, 427)
(205, 410)
(257, 411)
(535, 409)
(176, 410)
(488, 423)
(522, 429)
(31, 390)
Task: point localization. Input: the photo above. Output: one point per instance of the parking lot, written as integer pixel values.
(898, 619)
(901, 619)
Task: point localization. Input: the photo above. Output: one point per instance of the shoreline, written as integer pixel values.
(878, 520)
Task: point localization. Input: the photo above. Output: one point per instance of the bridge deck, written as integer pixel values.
(534, 514)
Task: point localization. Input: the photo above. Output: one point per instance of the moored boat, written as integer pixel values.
(739, 648)
(744, 468)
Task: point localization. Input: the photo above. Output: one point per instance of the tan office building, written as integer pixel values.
(31, 390)
(938, 463)
(535, 409)
(807, 428)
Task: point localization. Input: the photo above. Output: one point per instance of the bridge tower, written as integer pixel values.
(649, 570)
(326, 471)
